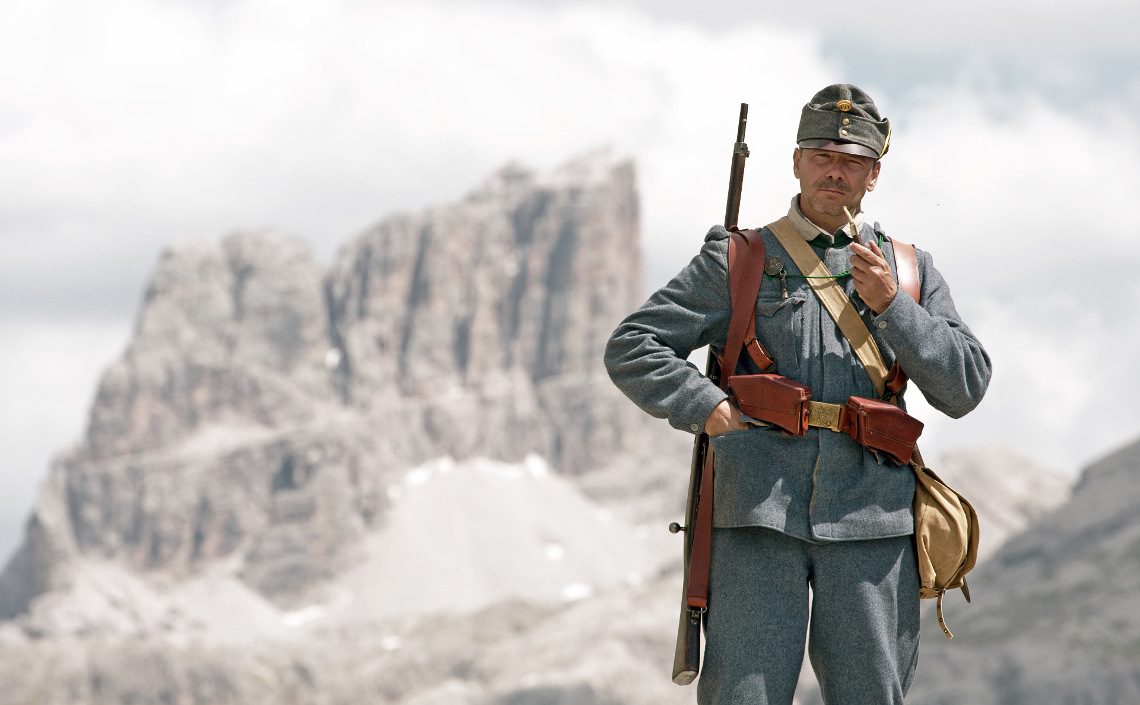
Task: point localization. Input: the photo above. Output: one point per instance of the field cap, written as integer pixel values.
(842, 118)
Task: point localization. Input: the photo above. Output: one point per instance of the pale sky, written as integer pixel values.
(127, 124)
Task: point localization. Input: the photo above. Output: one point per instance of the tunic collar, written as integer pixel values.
(817, 235)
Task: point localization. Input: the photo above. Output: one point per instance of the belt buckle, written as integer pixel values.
(824, 415)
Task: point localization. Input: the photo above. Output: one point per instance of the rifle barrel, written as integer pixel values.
(736, 176)
(743, 124)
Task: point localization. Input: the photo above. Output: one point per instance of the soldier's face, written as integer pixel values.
(831, 180)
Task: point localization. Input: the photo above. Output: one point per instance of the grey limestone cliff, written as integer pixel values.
(488, 316)
(265, 405)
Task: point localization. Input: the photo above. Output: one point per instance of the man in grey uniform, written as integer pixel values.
(819, 510)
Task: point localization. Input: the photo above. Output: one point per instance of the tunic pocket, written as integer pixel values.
(779, 327)
(735, 433)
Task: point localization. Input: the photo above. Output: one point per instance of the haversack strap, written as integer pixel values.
(834, 300)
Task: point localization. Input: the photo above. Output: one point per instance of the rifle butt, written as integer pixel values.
(687, 659)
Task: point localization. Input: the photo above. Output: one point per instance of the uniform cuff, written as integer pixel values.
(698, 410)
(896, 314)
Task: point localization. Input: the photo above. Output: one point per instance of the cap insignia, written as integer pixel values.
(843, 105)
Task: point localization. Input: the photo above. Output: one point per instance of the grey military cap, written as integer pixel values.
(843, 118)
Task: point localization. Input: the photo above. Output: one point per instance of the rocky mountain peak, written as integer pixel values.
(265, 406)
(231, 329)
(588, 170)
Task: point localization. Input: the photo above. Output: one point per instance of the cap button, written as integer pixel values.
(843, 133)
(846, 121)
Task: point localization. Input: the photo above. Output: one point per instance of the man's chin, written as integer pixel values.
(828, 207)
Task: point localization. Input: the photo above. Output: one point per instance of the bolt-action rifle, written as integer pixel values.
(698, 511)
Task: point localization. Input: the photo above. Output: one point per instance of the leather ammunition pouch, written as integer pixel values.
(773, 399)
(883, 427)
(787, 404)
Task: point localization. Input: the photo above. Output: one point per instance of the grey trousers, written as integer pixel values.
(864, 618)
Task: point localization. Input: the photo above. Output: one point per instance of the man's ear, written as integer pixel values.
(796, 162)
(873, 179)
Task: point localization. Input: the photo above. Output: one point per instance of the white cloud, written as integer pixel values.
(1024, 209)
(897, 26)
(322, 115)
(132, 122)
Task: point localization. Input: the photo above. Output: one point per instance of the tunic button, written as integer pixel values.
(694, 427)
(882, 325)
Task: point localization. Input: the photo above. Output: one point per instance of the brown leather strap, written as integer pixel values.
(907, 265)
(747, 292)
(700, 556)
(896, 380)
(745, 273)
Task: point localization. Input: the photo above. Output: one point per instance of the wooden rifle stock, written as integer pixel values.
(687, 658)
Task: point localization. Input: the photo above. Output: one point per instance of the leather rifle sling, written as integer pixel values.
(835, 300)
(745, 273)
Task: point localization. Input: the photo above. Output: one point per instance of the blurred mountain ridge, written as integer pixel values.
(1052, 619)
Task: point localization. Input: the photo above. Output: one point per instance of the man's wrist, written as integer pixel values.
(890, 314)
(710, 398)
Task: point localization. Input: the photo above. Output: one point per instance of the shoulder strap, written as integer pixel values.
(906, 269)
(745, 273)
(834, 300)
(906, 264)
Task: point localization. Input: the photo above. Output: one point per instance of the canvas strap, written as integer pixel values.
(835, 300)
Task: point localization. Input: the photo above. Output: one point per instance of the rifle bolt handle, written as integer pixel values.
(675, 528)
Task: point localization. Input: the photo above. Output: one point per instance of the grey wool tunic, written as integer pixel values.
(822, 486)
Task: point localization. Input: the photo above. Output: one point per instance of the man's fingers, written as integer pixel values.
(725, 417)
(872, 254)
